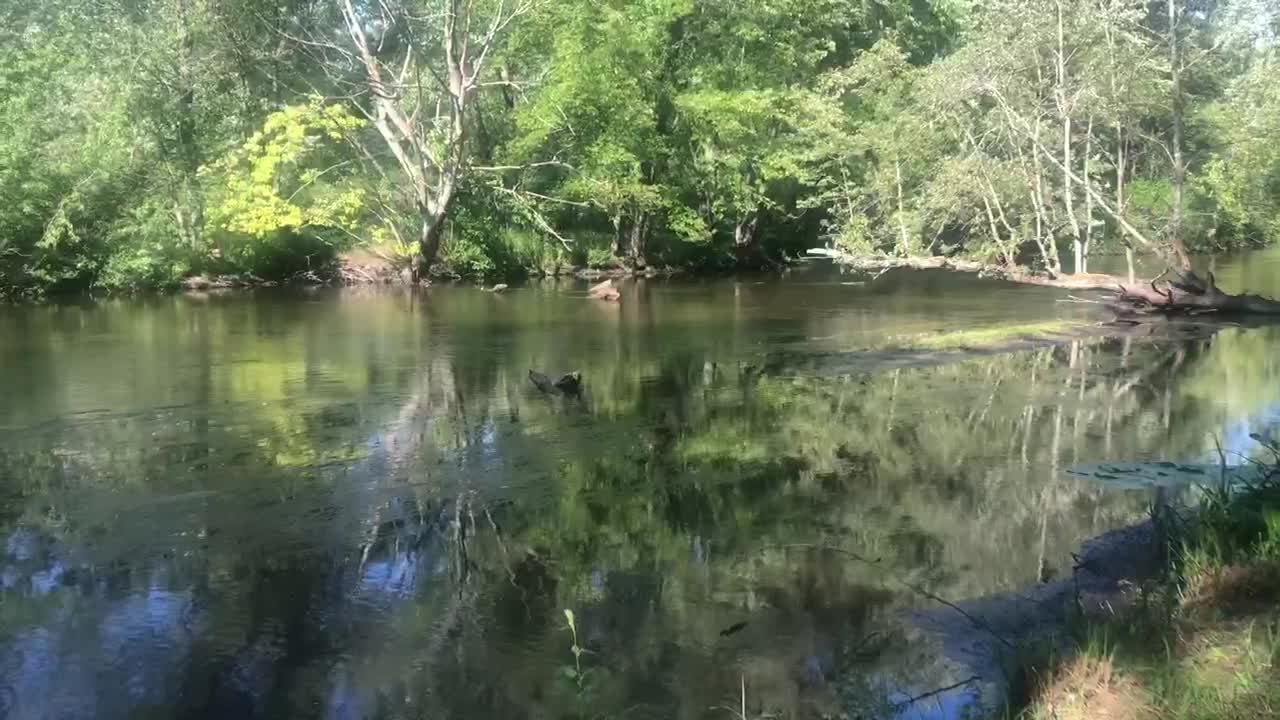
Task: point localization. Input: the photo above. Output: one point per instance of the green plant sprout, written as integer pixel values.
(576, 649)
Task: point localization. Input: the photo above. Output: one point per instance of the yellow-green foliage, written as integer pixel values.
(271, 182)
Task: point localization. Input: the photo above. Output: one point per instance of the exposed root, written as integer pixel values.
(1189, 294)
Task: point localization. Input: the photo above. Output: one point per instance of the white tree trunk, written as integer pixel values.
(905, 247)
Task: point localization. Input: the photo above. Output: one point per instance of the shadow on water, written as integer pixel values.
(352, 505)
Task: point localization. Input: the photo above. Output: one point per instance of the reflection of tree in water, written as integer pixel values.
(423, 572)
(659, 546)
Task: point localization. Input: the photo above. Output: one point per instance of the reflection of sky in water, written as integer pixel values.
(394, 576)
(1236, 440)
(138, 644)
(136, 650)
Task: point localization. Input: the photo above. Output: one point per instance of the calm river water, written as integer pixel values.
(354, 504)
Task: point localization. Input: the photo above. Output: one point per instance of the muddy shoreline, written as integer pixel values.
(350, 273)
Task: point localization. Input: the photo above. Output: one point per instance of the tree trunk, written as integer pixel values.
(1068, 193)
(508, 99)
(639, 230)
(1039, 148)
(1045, 239)
(744, 232)
(189, 204)
(991, 201)
(616, 248)
(1193, 295)
(1083, 264)
(1183, 260)
(1187, 295)
(1121, 156)
(1121, 159)
(905, 248)
(431, 153)
(430, 233)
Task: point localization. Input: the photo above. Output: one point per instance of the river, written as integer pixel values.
(354, 504)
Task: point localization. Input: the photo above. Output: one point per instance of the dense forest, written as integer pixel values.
(144, 141)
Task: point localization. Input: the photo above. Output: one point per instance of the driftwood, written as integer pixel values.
(1170, 293)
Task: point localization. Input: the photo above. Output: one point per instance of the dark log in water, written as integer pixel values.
(569, 384)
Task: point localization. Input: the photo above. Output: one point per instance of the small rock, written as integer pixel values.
(196, 282)
(570, 383)
(605, 291)
(500, 288)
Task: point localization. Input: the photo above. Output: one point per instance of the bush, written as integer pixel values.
(466, 257)
(598, 257)
(1152, 202)
(277, 255)
(144, 250)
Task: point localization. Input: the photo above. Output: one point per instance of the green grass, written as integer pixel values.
(1203, 643)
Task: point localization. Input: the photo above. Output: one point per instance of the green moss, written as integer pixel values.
(998, 337)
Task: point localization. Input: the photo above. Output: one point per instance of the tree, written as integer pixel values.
(1243, 174)
(870, 149)
(595, 110)
(419, 68)
(144, 140)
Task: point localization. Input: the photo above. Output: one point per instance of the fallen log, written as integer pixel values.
(1170, 293)
(1189, 293)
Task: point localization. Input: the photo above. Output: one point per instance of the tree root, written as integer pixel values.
(1189, 294)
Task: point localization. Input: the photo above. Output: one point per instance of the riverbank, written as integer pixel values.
(1178, 617)
(1200, 641)
(365, 268)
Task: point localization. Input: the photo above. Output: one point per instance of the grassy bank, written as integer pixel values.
(1201, 642)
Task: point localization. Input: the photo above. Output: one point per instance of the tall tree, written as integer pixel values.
(1177, 112)
(420, 65)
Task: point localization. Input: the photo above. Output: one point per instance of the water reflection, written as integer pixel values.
(355, 505)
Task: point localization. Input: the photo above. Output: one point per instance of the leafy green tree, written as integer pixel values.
(419, 70)
(596, 112)
(145, 140)
(281, 178)
(1243, 175)
(870, 149)
(67, 159)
